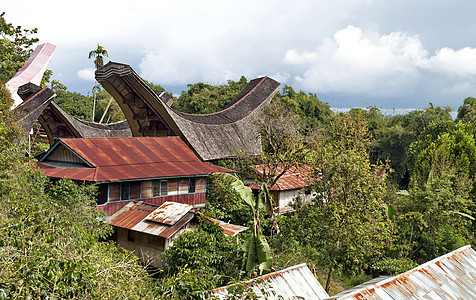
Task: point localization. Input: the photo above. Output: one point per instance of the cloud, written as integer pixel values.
(361, 62)
(461, 88)
(460, 62)
(86, 74)
(354, 61)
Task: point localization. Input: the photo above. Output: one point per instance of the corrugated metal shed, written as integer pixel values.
(228, 229)
(295, 282)
(451, 276)
(116, 159)
(134, 216)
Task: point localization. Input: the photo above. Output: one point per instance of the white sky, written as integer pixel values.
(392, 54)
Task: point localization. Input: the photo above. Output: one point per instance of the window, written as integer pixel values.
(130, 235)
(160, 188)
(191, 185)
(125, 191)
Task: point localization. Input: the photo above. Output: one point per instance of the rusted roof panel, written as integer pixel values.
(296, 282)
(451, 276)
(228, 229)
(131, 150)
(169, 213)
(117, 159)
(294, 178)
(133, 217)
(132, 172)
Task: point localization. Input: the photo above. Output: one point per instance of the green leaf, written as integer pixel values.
(389, 211)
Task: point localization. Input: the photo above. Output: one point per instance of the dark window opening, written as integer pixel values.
(125, 191)
(192, 182)
(130, 235)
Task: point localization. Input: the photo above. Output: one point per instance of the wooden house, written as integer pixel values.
(150, 169)
(148, 230)
(293, 184)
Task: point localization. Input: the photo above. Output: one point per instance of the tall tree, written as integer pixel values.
(98, 55)
(346, 221)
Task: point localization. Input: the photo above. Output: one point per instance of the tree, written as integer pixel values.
(98, 56)
(202, 98)
(346, 222)
(312, 111)
(467, 111)
(15, 47)
(256, 249)
(206, 251)
(453, 142)
(51, 235)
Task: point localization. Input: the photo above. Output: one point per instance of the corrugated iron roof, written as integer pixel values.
(291, 283)
(169, 213)
(116, 159)
(451, 276)
(133, 217)
(228, 229)
(294, 178)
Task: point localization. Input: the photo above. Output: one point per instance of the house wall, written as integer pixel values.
(110, 208)
(146, 246)
(143, 189)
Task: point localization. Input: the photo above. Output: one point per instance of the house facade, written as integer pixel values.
(149, 169)
(291, 185)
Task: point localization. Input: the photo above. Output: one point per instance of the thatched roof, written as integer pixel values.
(39, 106)
(212, 136)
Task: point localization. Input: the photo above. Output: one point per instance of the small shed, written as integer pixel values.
(148, 230)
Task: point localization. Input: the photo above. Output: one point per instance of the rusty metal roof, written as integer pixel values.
(294, 178)
(296, 282)
(228, 229)
(451, 276)
(169, 213)
(134, 216)
(117, 159)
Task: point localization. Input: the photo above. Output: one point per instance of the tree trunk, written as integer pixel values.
(329, 277)
(94, 100)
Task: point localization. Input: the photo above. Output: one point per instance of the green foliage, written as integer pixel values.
(202, 98)
(80, 106)
(312, 111)
(15, 47)
(223, 203)
(50, 232)
(346, 223)
(207, 251)
(467, 111)
(427, 223)
(98, 54)
(442, 145)
(256, 249)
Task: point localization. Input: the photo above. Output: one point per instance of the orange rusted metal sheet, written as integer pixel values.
(169, 213)
(451, 276)
(133, 216)
(118, 159)
(294, 178)
(228, 229)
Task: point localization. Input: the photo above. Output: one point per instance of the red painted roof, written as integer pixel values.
(116, 159)
(294, 178)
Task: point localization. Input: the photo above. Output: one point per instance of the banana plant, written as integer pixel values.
(256, 250)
